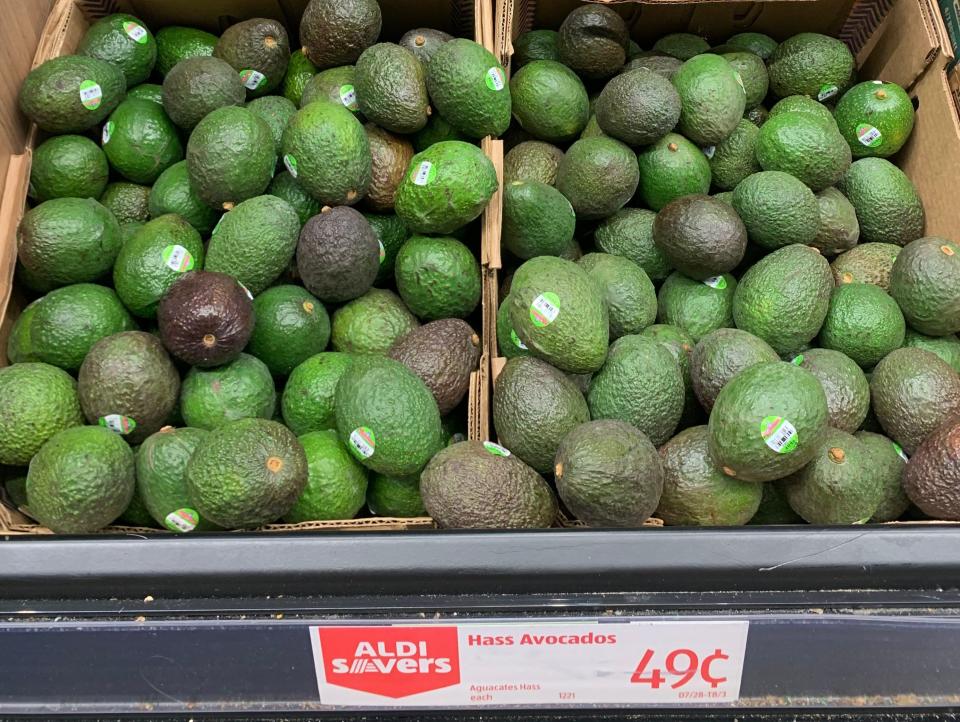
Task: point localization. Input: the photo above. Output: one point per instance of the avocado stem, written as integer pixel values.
(419, 40)
(836, 455)
(274, 464)
(947, 250)
(270, 41)
(209, 340)
(728, 471)
(308, 306)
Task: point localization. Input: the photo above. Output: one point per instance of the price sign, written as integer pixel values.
(541, 663)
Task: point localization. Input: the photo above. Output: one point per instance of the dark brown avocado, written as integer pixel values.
(443, 354)
(338, 255)
(701, 236)
(206, 318)
(259, 50)
(335, 32)
(390, 156)
(932, 478)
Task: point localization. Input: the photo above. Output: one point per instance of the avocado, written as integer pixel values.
(276, 111)
(128, 384)
(326, 149)
(70, 320)
(784, 297)
(161, 464)
(875, 118)
(386, 416)
(946, 347)
(839, 486)
(391, 88)
(436, 130)
(308, 396)
(424, 42)
(80, 480)
(629, 233)
(196, 86)
(481, 485)
(721, 355)
(638, 107)
(534, 407)
(558, 312)
(803, 104)
(753, 73)
(698, 307)
(255, 241)
(598, 176)
(395, 496)
(247, 473)
(700, 236)
(682, 46)
(888, 206)
(16, 489)
(371, 323)
(508, 343)
(925, 282)
(810, 64)
(767, 422)
(863, 322)
(68, 240)
(889, 464)
(19, 346)
(844, 383)
(391, 156)
(36, 401)
(240, 389)
(735, 157)
(777, 209)
(176, 43)
(338, 255)
(299, 72)
(136, 514)
(664, 65)
(608, 474)
(123, 41)
(259, 50)
(334, 86)
(140, 141)
(932, 477)
(535, 45)
(805, 147)
(172, 193)
(758, 116)
(468, 87)
(438, 277)
(593, 41)
(230, 157)
(532, 160)
(680, 345)
(291, 326)
(696, 492)
(913, 391)
(128, 202)
(71, 93)
(641, 384)
(68, 166)
(538, 220)
(447, 186)
(205, 318)
(335, 32)
(713, 99)
(839, 229)
(549, 101)
(671, 168)
(336, 484)
(774, 508)
(443, 354)
(757, 43)
(285, 187)
(391, 233)
(866, 263)
(628, 292)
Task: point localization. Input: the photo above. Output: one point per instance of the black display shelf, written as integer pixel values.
(844, 623)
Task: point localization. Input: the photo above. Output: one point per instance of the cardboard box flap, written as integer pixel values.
(904, 45)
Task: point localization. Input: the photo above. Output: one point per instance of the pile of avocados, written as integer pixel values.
(251, 272)
(252, 282)
(719, 305)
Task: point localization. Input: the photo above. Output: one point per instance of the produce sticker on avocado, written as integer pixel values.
(869, 136)
(136, 32)
(290, 163)
(245, 290)
(107, 134)
(545, 309)
(348, 96)
(182, 520)
(900, 452)
(710, 151)
(91, 95)
(252, 79)
(516, 340)
(118, 423)
(383, 251)
(363, 442)
(797, 360)
(495, 449)
(494, 79)
(718, 282)
(424, 173)
(827, 91)
(177, 258)
(779, 434)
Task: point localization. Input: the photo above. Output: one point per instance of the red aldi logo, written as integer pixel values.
(390, 662)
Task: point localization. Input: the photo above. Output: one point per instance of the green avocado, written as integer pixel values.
(68, 166)
(215, 397)
(839, 229)
(925, 283)
(598, 176)
(172, 193)
(875, 118)
(161, 464)
(334, 86)
(721, 355)
(308, 397)
(698, 307)
(508, 343)
(176, 43)
(371, 323)
(777, 209)
(468, 87)
(863, 322)
(629, 233)
(844, 383)
(535, 45)
(538, 220)
(671, 168)
(549, 101)
(806, 148)
(889, 209)
(141, 141)
(276, 111)
(774, 508)
(810, 64)
(19, 346)
(628, 292)
(424, 42)
(866, 263)
(196, 86)
(129, 202)
(757, 43)
(391, 233)
(682, 46)
(147, 91)
(299, 72)
(735, 157)
(71, 93)
(436, 130)
(395, 496)
(336, 483)
(123, 41)
(438, 277)
(291, 326)
(713, 99)
(889, 463)
(285, 187)
(753, 74)
(391, 88)
(257, 49)
(946, 347)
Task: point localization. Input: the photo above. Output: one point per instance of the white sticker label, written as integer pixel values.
(252, 79)
(544, 309)
(827, 92)
(424, 173)
(177, 258)
(182, 520)
(900, 452)
(107, 134)
(91, 95)
(136, 32)
(718, 282)
(710, 151)
(494, 79)
(118, 423)
(532, 663)
(779, 434)
(495, 449)
(246, 290)
(290, 163)
(868, 135)
(348, 96)
(740, 81)
(363, 442)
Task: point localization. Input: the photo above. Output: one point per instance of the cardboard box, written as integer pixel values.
(905, 42)
(42, 29)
